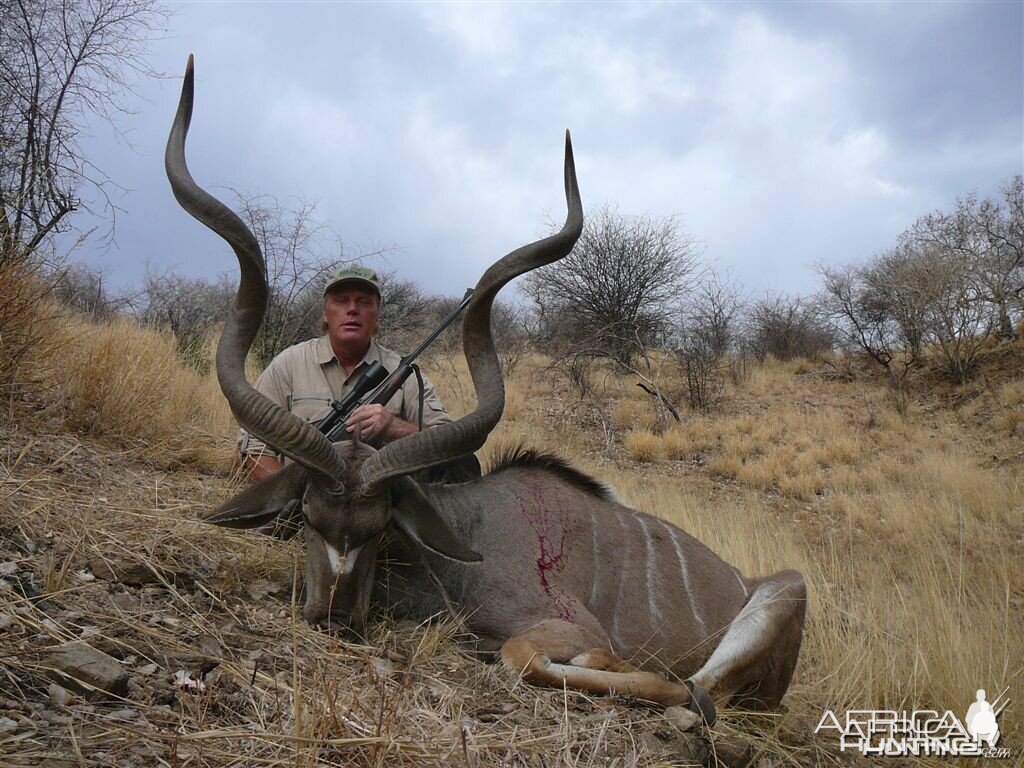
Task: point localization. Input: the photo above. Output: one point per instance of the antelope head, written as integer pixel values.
(350, 492)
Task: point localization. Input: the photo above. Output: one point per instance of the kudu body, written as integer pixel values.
(576, 588)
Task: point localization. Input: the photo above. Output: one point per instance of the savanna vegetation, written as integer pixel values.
(869, 435)
(905, 516)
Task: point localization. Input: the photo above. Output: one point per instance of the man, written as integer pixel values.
(306, 377)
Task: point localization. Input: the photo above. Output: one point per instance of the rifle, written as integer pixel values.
(375, 386)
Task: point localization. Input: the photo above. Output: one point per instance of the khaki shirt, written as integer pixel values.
(307, 376)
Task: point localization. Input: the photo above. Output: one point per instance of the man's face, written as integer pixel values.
(351, 312)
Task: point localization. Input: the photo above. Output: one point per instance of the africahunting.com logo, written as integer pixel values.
(921, 731)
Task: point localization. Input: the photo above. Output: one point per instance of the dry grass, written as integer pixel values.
(127, 383)
(909, 528)
(644, 446)
(29, 330)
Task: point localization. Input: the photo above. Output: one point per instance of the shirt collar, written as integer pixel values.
(325, 353)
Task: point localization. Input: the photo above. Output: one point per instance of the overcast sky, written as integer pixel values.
(782, 134)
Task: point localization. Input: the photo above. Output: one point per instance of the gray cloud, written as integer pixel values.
(782, 133)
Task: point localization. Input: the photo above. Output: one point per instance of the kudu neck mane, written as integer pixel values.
(528, 458)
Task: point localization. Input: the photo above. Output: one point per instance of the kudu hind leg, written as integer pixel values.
(753, 664)
(554, 652)
(602, 658)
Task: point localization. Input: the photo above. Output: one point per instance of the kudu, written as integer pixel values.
(576, 588)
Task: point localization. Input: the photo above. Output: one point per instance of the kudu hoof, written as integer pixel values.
(701, 704)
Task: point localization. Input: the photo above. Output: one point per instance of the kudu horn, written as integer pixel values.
(285, 431)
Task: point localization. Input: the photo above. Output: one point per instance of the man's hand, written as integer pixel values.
(374, 421)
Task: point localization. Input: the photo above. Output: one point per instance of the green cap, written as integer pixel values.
(353, 273)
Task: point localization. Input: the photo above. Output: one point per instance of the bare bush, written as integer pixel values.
(615, 292)
(299, 253)
(986, 237)
(612, 300)
(863, 319)
(189, 308)
(82, 289)
(293, 245)
(511, 335)
(706, 336)
(786, 327)
(950, 281)
(28, 323)
(900, 283)
(61, 65)
(959, 319)
(403, 313)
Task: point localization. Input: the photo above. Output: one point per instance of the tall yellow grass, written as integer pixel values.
(29, 329)
(126, 383)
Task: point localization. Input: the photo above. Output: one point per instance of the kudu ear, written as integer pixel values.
(263, 501)
(417, 518)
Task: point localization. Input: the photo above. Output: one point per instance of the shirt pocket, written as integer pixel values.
(309, 407)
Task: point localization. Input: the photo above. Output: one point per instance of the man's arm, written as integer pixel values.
(259, 467)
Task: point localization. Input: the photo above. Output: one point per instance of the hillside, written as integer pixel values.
(907, 522)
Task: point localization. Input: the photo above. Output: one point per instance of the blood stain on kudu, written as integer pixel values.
(550, 522)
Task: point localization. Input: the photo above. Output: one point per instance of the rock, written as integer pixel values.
(209, 645)
(260, 588)
(7, 725)
(184, 681)
(494, 712)
(92, 672)
(651, 743)
(51, 717)
(6, 622)
(123, 714)
(675, 747)
(734, 752)
(134, 574)
(682, 718)
(60, 697)
(199, 664)
(382, 667)
(126, 602)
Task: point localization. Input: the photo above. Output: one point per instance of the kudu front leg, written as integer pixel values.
(557, 653)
